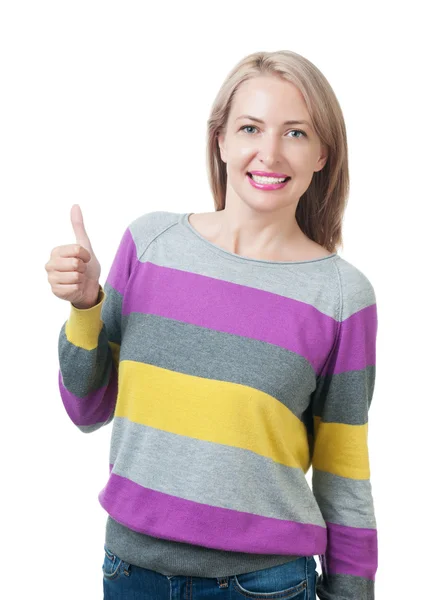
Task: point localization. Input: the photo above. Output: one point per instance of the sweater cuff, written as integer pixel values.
(84, 324)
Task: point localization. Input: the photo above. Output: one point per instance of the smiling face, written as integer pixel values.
(269, 145)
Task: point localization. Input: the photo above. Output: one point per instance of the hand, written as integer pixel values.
(73, 269)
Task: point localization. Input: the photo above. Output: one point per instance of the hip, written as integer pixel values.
(294, 580)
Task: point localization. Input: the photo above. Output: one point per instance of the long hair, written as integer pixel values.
(321, 208)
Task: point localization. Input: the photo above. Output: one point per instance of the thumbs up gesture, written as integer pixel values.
(73, 269)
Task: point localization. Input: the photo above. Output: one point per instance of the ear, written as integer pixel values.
(322, 159)
(221, 140)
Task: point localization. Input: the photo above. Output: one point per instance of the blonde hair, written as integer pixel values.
(321, 208)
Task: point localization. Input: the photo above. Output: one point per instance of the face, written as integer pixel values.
(270, 146)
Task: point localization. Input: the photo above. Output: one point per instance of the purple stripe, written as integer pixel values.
(249, 312)
(124, 262)
(161, 515)
(357, 347)
(351, 551)
(94, 408)
(231, 308)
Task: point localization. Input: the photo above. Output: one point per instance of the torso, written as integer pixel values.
(307, 249)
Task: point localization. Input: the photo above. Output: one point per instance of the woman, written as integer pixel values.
(233, 350)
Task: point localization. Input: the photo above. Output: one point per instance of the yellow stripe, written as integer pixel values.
(215, 411)
(115, 350)
(84, 325)
(341, 449)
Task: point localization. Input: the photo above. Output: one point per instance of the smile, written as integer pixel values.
(267, 183)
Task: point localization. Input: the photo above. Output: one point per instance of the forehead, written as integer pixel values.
(269, 96)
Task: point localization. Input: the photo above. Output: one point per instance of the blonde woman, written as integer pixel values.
(232, 350)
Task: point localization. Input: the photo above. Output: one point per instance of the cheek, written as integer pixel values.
(239, 159)
(244, 155)
(241, 147)
(246, 151)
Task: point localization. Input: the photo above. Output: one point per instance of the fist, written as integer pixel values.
(73, 269)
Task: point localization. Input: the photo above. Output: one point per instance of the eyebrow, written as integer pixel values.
(291, 122)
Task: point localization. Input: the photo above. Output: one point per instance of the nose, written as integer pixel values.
(270, 151)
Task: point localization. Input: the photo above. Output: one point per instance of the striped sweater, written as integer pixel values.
(226, 378)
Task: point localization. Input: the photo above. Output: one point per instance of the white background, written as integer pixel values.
(105, 104)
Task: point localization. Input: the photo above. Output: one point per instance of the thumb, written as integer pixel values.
(79, 227)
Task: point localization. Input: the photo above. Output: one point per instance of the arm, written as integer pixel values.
(89, 347)
(341, 472)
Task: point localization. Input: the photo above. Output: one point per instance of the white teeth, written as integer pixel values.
(262, 179)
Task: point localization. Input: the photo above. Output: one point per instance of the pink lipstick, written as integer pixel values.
(267, 186)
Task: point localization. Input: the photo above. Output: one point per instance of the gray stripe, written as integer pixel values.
(91, 428)
(111, 313)
(191, 468)
(345, 586)
(162, 238)
(345, 397)
(178, 558)
(220, 356)
(84, 371)
(341, 398)
(344, 501)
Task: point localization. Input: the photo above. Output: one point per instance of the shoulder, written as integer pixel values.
(154, 221)
(147, 227)
(356, 290)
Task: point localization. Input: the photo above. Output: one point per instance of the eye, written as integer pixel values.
(298, 131)
(244, 127)
(247, 126)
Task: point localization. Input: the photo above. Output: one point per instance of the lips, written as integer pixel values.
(263, 174)
(268, 186)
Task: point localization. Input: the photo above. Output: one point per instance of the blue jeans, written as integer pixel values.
(295, 580)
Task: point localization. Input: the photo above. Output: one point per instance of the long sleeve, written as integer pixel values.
(341, 471)
(89, 347)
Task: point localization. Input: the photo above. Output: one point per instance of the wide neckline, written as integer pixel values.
(185, 221)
